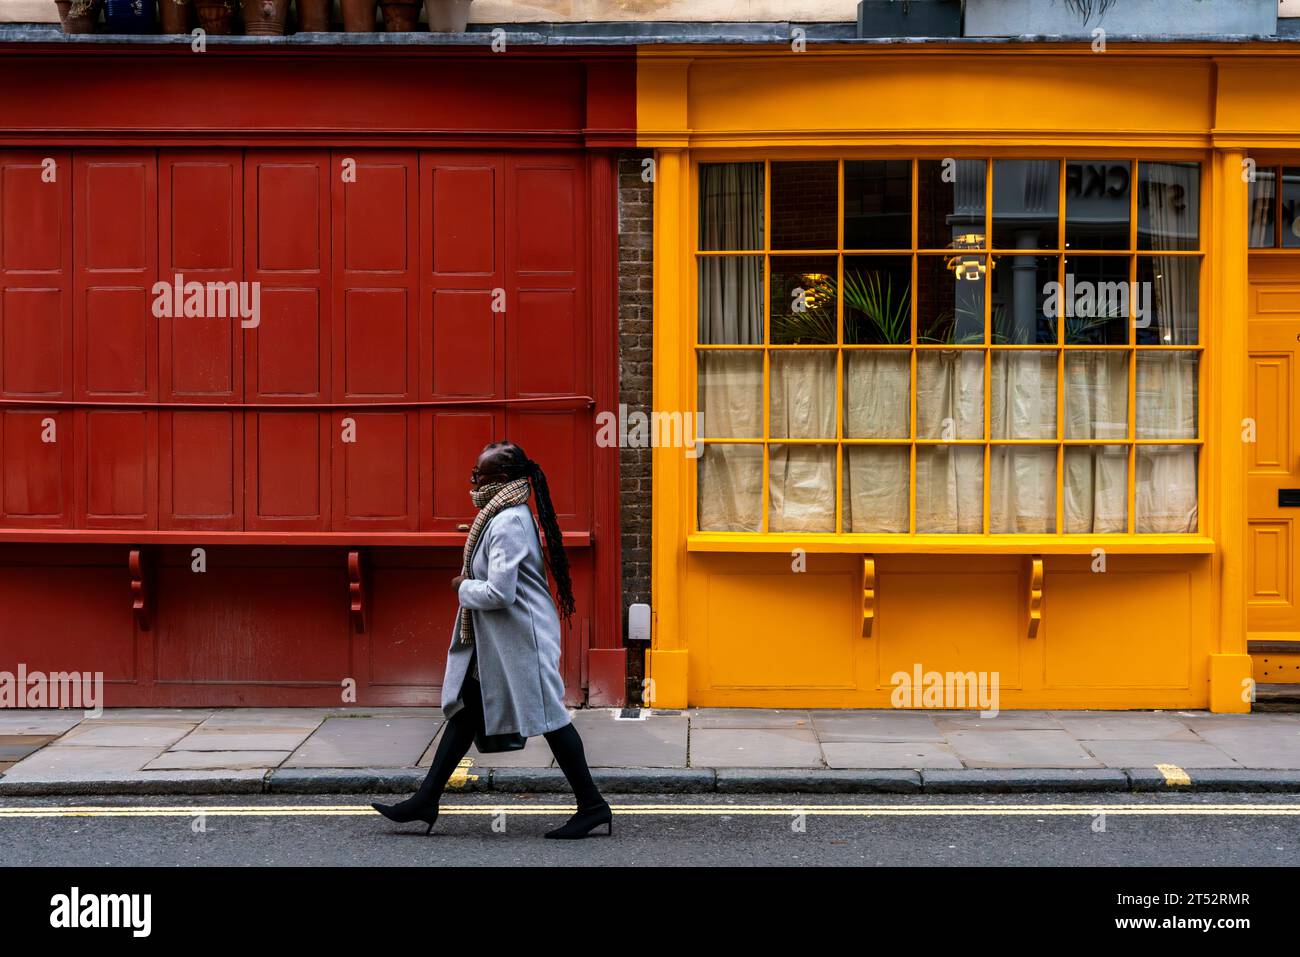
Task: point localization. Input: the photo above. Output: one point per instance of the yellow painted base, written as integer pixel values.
(1271, 668)
(1230, 683)
(666, 674)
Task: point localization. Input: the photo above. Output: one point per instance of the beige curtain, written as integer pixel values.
(1096, 407)
(950, 405)
(877, 400)
(1022, 479)
(801, 489)
(1263, 199)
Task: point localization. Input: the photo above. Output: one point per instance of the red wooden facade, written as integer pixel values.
(432, 239)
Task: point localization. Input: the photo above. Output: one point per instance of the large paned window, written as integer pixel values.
(949, 346)
(1275, 207)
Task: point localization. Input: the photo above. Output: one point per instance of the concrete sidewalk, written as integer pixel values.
(377, 750)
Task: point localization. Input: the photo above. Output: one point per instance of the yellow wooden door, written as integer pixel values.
(1273, 466)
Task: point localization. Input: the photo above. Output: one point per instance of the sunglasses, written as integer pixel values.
(475, 476)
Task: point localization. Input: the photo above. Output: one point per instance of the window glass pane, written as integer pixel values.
(1096, 394)
(1094, 300)
(877, 394)
(1263, 209)
(950, 394)
(805, 205)
(877, 204)
(1023, 399)
(877, 300)
(951, 203)
(876, 488)
(731, 300)
(1169, 205)
(1022, 489)
(1166, 395)
(731, 394)
(803, 395)
(1168, 307)
(801, 488)
(731, 493)
(731, 205)
(1021, 285)
(1097, 200)
(950, 299)
(950, 489)
(1096, 489)
(1291, 207)
(1025, 203)
(803, 300)
(1165, 494)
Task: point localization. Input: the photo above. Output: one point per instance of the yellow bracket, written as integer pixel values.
(868, 594)
(1035, 594)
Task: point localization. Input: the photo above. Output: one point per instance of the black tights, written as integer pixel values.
(459, 733)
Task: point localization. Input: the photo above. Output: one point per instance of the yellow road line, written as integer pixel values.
(710, 810)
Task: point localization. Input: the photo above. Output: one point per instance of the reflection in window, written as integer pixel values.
(1021, 285)
(1094, 300)
(1169, 205)
(1025, 203)
(951, 203)
(1170, 288)
(1097, 199)
(1291, 207)
(950, 305)
(1263, 209)
(805, 205)
(877, 204)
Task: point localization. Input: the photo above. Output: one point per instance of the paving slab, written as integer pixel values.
(889, 754)
(193, 715)
(1019, 749)
(216, 760)
(1002, 721)
(269, 738)
(273, 717)
(755, 748)
(15, 747)
(658, 741)
(875, 726)
(1125, 726)
(370, 742)
(22, 721)
(748, 718)
(1199, 720)
(1270, 746)
(74, 761)
(1139, 754)
(141, 733)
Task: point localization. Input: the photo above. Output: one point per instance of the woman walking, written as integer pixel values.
(507, 633)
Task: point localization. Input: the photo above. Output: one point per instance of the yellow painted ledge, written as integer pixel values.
(1230, 683)
(743, 542)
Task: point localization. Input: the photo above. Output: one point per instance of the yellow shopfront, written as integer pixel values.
(966, 332)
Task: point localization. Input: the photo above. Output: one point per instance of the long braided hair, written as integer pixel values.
(515, 464)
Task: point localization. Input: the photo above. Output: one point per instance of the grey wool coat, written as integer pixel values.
(516, 632)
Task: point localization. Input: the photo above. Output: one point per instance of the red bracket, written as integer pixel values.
(139, 591)
(356, 590)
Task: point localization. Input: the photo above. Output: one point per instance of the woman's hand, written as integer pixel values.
(455, 582)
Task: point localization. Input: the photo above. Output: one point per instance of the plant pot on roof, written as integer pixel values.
(400, 16)
(175, 15)
(447, 16)
(265, 18)
(314, 15)
(358, 15)
(215, 16)
(129, 16)
(79, 16)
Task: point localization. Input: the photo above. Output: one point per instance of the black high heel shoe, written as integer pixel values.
(582, 822)
(402, 814)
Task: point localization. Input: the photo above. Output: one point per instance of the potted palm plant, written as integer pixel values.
(79, 16)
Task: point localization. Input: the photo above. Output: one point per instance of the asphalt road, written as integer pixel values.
(669, 829)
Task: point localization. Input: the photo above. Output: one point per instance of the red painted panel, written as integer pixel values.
(202, 470)
(376, 476)
(287, 471)
(34, 221)
(547, 344)
(36, 468)
(547, 205)
(464, 344)
(115, 342)
(561, 442)
(31, 330)
(288, 360)
(464, 201)
(404, 647)
(121, 472)
(201, 238)
(456, 439)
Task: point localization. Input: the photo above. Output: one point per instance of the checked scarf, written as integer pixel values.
(490, 500)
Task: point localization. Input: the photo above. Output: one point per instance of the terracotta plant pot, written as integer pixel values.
(265, 18)
(215, 16)
(79, 16)
(129, 16)
(447, 16)
(175, 15)
(314, 15)
(358, 15)
(400, 16)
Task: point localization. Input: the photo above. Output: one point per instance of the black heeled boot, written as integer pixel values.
(593, 810)
(584, 821)
(412, 809)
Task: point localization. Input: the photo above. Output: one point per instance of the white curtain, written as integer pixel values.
(1096, 407)
(1263, 199)
(801, 490)
(877, 386)
(1022, 480)
(950, 405)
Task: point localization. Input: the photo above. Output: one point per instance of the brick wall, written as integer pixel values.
(635, 277)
